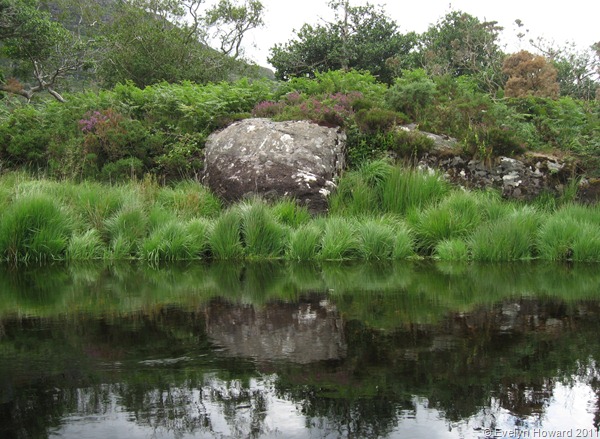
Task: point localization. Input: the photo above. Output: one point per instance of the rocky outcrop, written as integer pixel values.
(297, 159)
(525, 177)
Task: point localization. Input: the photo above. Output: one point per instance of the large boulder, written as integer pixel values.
(297, 159)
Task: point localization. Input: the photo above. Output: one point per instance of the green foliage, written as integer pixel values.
(377, 240)
(456, 216)
(460, 44)
(411, 93)
(86, 246)
(361, 37)
(407, 189)
(376, 120)
(23, 138)
(289, 213)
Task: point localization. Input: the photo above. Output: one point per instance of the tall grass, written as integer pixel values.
(289, 213)
(189, 199)
(510, 238)
(406, 189)
(86, 246)
(377, 240)
(339, 240)
(262, 235)
(304, 243)
(225, 237)
(124, 231)
(454, 217)
(586, 246)
(34, 228)
(452, 250)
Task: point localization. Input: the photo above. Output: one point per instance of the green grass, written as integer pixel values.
(377, 240)
(456, 216)
(86, 246)
(510, 238)
(225, 237)
(406, 189)
(339, 240)
(46, 220)
(304, 243)
(263, 236)
(452, 250)
(34, 228)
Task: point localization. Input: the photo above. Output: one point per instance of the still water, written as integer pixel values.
(419, 350)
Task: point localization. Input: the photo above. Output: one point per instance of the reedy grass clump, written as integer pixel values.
(304, 243)
(125, 230)
(225, 237)
(510, 238)
(586, 246)
(189, 199)
(262, 235)
(34, 228)
(168, 242)
(377, 239)
(452, 250)
(454, 217)
(339, 240)
(287, 212)
(406, 189)
(86, 246)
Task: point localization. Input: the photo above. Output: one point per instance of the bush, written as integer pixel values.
(375, 120)
(24, 138)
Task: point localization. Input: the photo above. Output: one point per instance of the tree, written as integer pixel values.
(459, 44)
(360, 37)
(148, 41)
(230, 22)
(43, 50)
(529, 75)
(577, 70)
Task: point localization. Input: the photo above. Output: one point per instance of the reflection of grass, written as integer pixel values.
(383, 293)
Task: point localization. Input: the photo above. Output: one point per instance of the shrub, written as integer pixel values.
(24, 138)
(376, 120)
(129, 168)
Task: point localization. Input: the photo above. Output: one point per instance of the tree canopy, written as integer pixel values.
(360, 37)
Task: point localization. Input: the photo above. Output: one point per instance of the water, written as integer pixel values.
(227, 350)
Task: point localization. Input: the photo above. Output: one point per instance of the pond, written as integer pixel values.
(274, 350)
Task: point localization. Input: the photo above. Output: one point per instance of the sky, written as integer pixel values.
(576, 21)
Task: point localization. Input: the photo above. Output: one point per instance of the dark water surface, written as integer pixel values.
(230, 350)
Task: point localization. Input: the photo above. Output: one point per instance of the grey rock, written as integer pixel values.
(298, 159)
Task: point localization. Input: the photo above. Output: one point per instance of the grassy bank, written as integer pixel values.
(379, 212)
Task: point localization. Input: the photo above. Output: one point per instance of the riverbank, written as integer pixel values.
(379, 212)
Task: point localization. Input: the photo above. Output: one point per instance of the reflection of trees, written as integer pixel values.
(461, 337)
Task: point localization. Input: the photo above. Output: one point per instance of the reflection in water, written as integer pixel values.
(276, 350)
